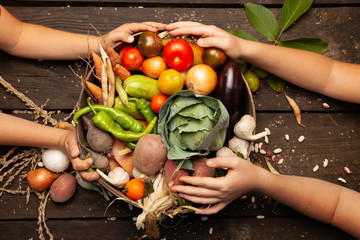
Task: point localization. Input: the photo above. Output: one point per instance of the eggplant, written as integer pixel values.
(230, 91)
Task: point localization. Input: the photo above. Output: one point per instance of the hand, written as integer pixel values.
(241, 178)
(69, 144)
(211, 36)
(124, 32)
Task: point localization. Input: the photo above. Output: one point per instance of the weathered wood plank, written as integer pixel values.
(187, 228)
(47, 77)
(186, 3)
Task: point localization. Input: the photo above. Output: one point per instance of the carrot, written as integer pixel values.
(114, 56)
(95, 91)
(125, 160)
(97, 63)
(122, 72)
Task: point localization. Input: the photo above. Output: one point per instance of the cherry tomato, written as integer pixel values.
(170, 82)
(201, 79)
(134, 189)
(153, 67)
(157, 101)
(197, 53)
(132, 59)
(214, 57)
(150, 44)
(178, 54)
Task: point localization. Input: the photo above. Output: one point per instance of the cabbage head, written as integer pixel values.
(191, 125)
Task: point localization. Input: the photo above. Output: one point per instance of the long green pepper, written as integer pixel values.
(145, 109)
(123, 119)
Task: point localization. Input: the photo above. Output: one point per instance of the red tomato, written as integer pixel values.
(178, 54)
(134, 189)
(132, 59)
(125, 48)
(157, 101)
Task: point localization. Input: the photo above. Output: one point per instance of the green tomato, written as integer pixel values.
(252, 80)
(261, 73)
(242, 65)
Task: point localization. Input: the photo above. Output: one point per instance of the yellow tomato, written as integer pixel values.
(170, 82)
(201, 79)
(153, 66)
(197, 54)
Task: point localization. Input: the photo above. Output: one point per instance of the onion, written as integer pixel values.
(41, 178)
(55, 160)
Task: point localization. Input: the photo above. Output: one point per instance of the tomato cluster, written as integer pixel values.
(175, 63)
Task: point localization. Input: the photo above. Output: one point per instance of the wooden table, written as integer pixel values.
(330, 133)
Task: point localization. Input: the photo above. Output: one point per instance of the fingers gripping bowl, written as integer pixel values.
(166, 145)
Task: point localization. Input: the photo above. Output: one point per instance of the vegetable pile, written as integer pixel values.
(154, 114)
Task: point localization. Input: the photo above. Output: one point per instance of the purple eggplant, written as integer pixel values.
(230, 91)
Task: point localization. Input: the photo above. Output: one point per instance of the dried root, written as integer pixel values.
(296, 109)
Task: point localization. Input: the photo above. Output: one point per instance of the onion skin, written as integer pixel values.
(41, 178)
(230, 91)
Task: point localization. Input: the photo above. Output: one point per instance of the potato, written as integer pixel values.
(201, 169)
(169, 169)
(150, 154)
(124, 160)
(63, 188)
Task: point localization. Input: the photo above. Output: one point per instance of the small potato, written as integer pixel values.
(63, 188)
(169, 169)
(150, 154)
(201, 169)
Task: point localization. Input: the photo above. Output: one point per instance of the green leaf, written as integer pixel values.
(292, 10)
(243, 35)
(276, 83)
(263, 20)
(311, 44)
(195, 125)
(197, 111)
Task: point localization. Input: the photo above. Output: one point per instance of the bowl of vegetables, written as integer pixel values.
(155, 110)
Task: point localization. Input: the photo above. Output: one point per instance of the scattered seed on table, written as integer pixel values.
(347, 170)
(277, 150)
(325, 163)
(266, 139)
(273, 158)
(256, 147)
(243, 197)
(287, 137)
(340, 179)
(204, 218)
(269, 154)
(253, 148)
(261, 145)
(111, 218)
(260, 216)
(316, 168)
(280, 161)
(301, 138)
(326, 106)
(211, 230)
(253, 199)
(262, 151)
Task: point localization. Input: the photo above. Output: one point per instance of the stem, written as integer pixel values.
(278, 37)
(91, 107)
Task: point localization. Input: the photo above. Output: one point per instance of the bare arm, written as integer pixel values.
(306, 69)
(21, 132)
(326, 202)
(39, 42)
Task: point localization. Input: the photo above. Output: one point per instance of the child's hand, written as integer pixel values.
(69, 144)
(242, 177)
(211, 36)
(125, 31)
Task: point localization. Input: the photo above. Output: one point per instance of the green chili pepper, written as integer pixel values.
(130, 145)
(144, 107)
(123, 119)
(131, 110)
(104, 122)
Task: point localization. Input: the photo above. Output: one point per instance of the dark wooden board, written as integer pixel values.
(41, 80)
(186, 228)
(186, 3)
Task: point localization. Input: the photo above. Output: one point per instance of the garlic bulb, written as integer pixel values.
(117, 177)
(137, 174)
(225, 152)
(238, 145)
(246, 126)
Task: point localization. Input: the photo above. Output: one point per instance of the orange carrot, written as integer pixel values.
(125, 160)
(97, 63)
(95, 91)
(114, 56)
(122, 72)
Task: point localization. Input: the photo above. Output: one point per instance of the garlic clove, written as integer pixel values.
(225, 152)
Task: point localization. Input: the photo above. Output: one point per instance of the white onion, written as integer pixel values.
(55, 160)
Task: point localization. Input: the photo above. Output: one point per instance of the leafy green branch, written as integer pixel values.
(266, 24)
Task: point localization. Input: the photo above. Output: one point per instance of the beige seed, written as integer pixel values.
(277, 150)
(301, 138)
